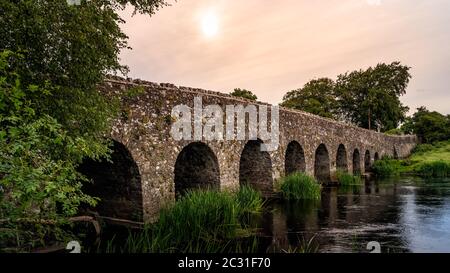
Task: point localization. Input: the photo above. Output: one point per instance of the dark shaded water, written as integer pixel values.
(403, 214)
(406, 214)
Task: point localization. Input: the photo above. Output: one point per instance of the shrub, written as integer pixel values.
(394, 131)
(300, 186)
(422, 148)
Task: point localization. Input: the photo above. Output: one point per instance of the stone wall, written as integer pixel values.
(144, 129)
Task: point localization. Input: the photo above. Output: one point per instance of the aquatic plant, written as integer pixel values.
(305, 246)
(386, 167)
(345, 178)
(298, 186)
(249, 200)
(200, 222)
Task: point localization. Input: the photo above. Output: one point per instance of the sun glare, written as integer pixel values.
(210, 24)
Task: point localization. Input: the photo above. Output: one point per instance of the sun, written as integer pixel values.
(209, 24)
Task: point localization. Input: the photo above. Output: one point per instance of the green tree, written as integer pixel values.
(408, 126)
(72, 48)
(316, 97)
(428, 126)
(38, 161)
(52, 117)
(371, 98)
(243, 93)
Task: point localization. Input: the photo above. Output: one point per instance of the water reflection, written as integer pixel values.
(405, 214)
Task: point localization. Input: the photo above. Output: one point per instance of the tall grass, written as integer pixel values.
(200, 222)
(198, 216)
(347, 179)
(305, 246)
(434, 169)
(430, 160)
(299, 186)
(424, 153)
(249, 200)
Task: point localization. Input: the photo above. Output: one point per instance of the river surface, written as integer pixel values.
(406, 214)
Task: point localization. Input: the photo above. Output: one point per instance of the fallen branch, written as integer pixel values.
(89, 219)
(123, 222)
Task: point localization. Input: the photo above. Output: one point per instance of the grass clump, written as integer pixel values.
(305, 246)
(386, 167)
(347, 179)
(434, 169)
(298, 186)
(249, 200)
(200, 222)
(199, 215)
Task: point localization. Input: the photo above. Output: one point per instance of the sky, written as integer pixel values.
(271, 47)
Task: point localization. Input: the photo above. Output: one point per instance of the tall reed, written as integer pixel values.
(298, 186)
(200, 222)
(347, 179)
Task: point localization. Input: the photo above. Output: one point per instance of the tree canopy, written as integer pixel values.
(71, 48)
(316, 97)
(371, 98)
(367, 98)
(429, 126)
(243, 93)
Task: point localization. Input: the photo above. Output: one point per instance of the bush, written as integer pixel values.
(39, 181)
(298, 186)
(344, 178)
(422, 148)
(396, 132)
(434, 169)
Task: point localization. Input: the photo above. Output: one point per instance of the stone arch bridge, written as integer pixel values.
(150, 169)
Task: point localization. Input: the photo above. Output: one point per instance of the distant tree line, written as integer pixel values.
(370, 99)
(367, 98)
(429, 126)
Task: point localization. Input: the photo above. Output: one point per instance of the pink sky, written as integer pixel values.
(271, 47)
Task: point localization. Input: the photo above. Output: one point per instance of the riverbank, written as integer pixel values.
(429, 160)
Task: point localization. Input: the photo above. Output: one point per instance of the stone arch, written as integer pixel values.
(395, 153)
(117, 183)
(196, 168)
(341, 158)
(356, 162)
(376, 156)
(294, 158)
(367, 161)
(255, 167)
(322, 164)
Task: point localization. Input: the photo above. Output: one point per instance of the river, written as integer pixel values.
(403, 214)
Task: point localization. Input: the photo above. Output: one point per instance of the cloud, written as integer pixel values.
(272, 47)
